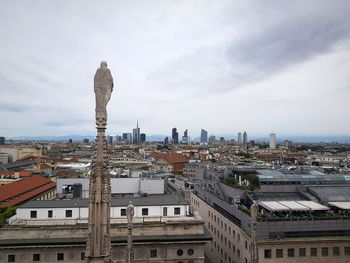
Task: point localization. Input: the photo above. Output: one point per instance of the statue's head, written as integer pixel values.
(103, 64)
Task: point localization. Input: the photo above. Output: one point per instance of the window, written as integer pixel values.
(267, 253)
(238, 237)
(279, 253)
(313, 252)
(325, 251)
(302, 252)
(190, 252)
(33, 214)
(145, 211)
(82, 255)
(177, 210)
(49, 213)
(11, 258)
(347, 251)
(291, 252)
(179, 252)
(60, 256)
(123, 212)
(246, 245)
(69, 213)
(153, 253)
(239, 253)
(165, 211)
(36, 257)
(336, 251)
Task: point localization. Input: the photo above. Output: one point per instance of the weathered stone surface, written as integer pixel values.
(103, 87)
(98, 245)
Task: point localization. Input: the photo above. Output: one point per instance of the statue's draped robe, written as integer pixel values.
(103, 86)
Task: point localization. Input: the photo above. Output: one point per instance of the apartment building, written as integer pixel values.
(309, 223)
(56, 231)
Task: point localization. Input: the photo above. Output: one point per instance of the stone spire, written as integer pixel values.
(98, 245)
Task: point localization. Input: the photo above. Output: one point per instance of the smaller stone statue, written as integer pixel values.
(254, 211)
(130, 210)
(103, 87)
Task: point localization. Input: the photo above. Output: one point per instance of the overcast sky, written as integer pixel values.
(225, 66)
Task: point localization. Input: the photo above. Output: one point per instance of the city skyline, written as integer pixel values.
(228, 66)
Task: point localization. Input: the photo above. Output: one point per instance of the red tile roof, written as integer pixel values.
(25, 173)
(171, 157)
(29, 195)
(7, 173)
(20, 191)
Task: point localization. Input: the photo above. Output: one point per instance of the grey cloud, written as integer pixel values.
(295, 40)
(13, 107)
(67, 122)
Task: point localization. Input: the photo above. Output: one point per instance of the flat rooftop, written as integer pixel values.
(303, 176)
(331, 193)
(152, 200)
(293, 206)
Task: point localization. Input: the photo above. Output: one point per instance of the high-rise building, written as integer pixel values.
(245, 137)
(110, 139)
(204, 136)
(142, 137)
(239, 138)
(185, 137)
(70, 140)
(175, 136)
(86, 140)
(166, 140)
(136, 134)
(2, 140)
(272, 141)
(118, 138)
(212, 140)
(127, 137)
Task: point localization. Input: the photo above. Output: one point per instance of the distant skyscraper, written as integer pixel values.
(136, 134)
(245, 137)
(239, 139)
(288, 143)
(118, 138)
(204, 136)
(70, 141)
(127, 137)
(272, 141)
(142, 137)
(110, 139)
(166, 140)
(175, 136)
(2, 140)
(85, 140)
(212, 140)
(185, 137)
